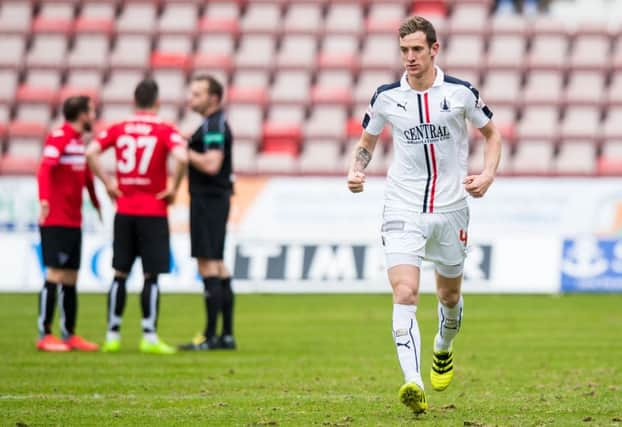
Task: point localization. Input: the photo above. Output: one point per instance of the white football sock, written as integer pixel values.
(407, 342)
(449, 320)
(112, 336)
(151, 337)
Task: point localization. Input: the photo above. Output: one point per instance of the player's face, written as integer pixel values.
(199, 98)
(417, 55)
(88, 118)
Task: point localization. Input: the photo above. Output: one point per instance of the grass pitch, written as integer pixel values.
(325, 360)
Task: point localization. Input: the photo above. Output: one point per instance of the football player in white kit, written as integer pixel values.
(425, 208)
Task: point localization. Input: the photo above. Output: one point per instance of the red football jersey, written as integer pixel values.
(62, 175)
(142, 144)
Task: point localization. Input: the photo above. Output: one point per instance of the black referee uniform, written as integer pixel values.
(210, 194)
(209, 210)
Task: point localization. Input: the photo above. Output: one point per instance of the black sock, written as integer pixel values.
(116, 303)
(213, 304)
(227, 306)
(150, 303)
(69, 309)
(47, 304)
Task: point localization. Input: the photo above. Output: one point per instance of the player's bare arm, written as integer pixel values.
(180, 155)
(90, 186)
(92, 157)
(44, 210)
(360, 160)
(208, 162)
(477, 185)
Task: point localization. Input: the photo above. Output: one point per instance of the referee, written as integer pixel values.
(211, 185)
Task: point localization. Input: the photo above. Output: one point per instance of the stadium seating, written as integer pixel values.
(299, 75)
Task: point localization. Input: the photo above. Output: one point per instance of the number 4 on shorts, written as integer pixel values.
(463, 236)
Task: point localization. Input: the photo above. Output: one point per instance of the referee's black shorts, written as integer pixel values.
(146, 237)
(208, 224)
(61, 246)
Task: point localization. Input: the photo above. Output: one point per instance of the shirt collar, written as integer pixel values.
(70, 131)
(209, 116)
(440, 78)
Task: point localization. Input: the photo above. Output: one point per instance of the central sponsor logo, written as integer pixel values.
(426, 133)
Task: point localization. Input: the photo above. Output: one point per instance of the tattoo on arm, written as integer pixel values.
(361, 159)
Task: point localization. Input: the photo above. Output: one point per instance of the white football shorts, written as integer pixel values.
(409, 238)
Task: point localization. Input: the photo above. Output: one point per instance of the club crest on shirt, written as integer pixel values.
(445, 107)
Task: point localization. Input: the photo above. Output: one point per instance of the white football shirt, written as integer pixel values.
(430, 141)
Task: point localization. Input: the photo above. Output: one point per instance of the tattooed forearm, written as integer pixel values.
(361, 158)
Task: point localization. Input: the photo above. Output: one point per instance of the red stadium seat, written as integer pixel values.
(273, 130)
(331, 95)
(281, 146)
(354, 127)
(94, 25)
(281, 138)
(430, 8)
(18, 165)
(27, 129)
(32, 93)
(337, 61)
(609, 167)
(212, 61)
(170, 60)
(43, 24)
(247, 95)
(68, 91)
(217, 25)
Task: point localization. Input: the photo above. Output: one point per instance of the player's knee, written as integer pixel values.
(405, 292)
(70, 278)
(120, 274)
(54, 275)
(449, 297)
(209, 268)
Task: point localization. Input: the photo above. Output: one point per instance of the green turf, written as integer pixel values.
(322, 360)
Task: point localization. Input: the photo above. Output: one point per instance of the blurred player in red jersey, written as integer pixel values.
(62, 177)
(142, 144)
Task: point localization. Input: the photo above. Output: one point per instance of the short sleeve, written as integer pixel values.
(106, 138)
(53, 147)
(214, 132)
(374, 120)
(174, 138)
(477, 112)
